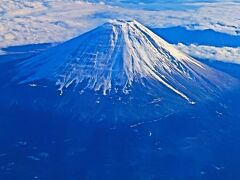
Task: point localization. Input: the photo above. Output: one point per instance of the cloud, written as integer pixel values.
(47, 21)
(40, 21)
(226, 54)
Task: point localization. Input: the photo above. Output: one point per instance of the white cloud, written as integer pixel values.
(26, 22)
(226, 54)
(38, 22)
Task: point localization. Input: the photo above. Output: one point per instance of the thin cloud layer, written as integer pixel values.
(41, 21)
(47, 21)
(226, 54)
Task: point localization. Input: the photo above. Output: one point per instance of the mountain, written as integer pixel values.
(124, 62)
(117, 102)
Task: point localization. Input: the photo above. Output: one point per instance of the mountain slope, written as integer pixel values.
(118, 56)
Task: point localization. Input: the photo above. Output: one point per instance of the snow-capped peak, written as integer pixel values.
(114, 56)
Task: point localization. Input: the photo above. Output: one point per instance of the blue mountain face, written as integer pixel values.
(117, 102)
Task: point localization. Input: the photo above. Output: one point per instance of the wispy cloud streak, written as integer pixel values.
(46, 21)
(40, 21)
(226, 54)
